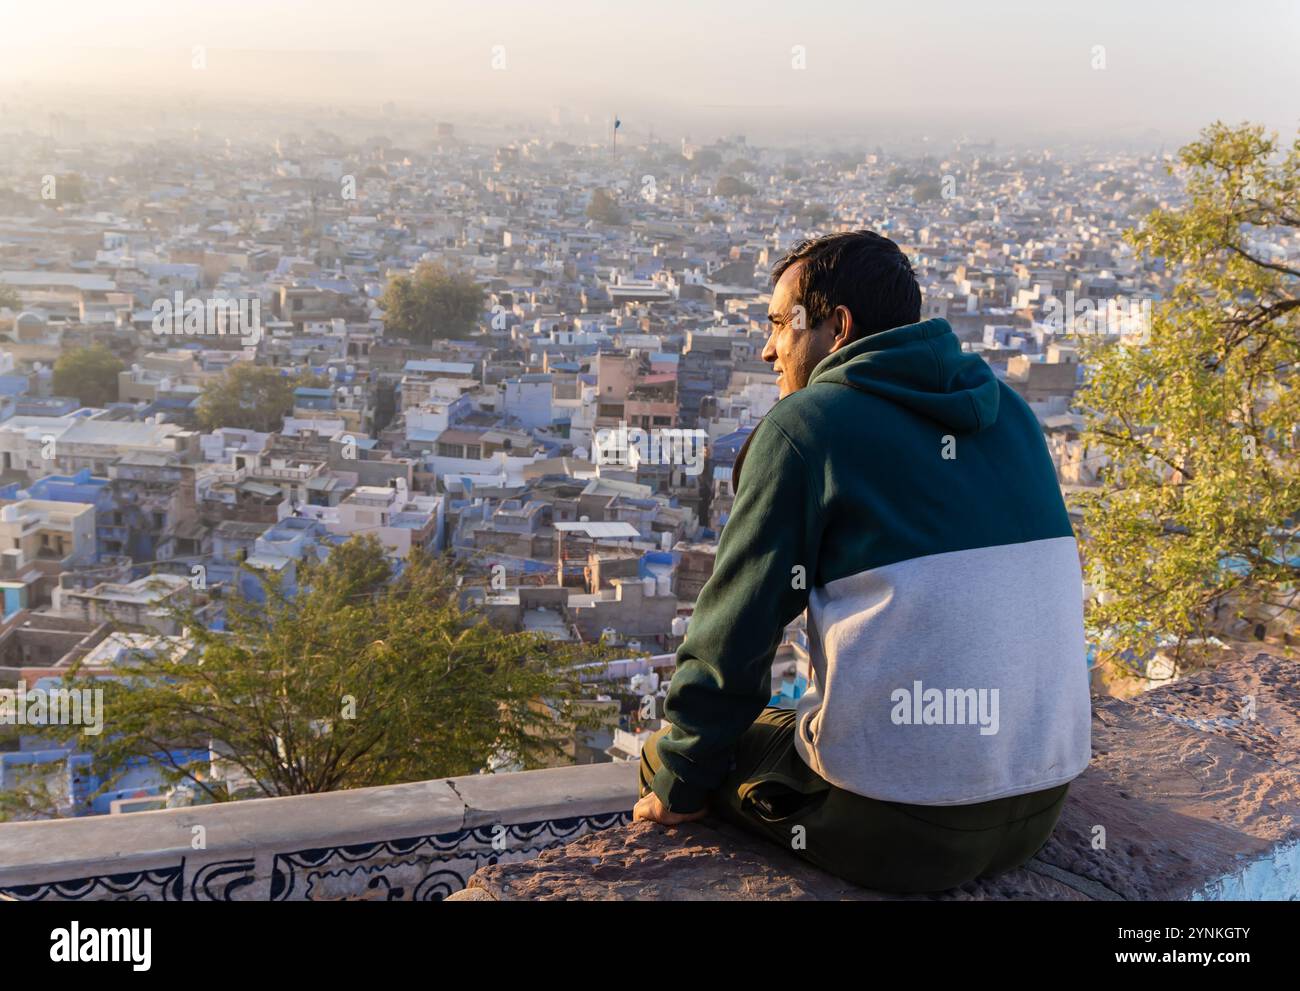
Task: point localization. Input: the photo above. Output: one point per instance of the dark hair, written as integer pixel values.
(862, 270)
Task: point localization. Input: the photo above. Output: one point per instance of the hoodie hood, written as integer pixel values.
(921, 367)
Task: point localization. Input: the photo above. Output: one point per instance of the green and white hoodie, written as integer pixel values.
(907, 501)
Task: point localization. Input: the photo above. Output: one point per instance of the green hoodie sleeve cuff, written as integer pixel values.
(675, 793)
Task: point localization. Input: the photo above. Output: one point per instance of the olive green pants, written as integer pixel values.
(888, 846)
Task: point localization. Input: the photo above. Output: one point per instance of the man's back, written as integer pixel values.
(905, 499)
(945, 614)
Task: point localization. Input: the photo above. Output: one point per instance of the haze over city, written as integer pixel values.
(836, 73)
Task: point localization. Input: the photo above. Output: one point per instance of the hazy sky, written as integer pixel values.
(995, 67)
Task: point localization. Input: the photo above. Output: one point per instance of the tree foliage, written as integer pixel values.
(250, 397)
(35, 794)
(814, 214)
(604, 208)
(704, 160)
(364, 677)
(89, 374)
(68, 188)
(899, 177)
(1194, 531)
(927, 190)
(433, 303)
(729, 185)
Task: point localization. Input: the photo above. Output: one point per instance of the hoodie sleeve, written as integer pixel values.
(766, 560)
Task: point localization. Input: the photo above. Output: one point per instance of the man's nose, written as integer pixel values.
(769, 350)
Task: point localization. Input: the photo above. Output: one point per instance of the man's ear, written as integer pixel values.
(843, 327)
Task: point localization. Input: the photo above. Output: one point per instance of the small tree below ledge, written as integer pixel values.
(363, 678)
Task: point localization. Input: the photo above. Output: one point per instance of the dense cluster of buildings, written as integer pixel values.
(491, 446)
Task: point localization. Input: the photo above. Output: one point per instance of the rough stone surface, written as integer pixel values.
(1193, 787)
(1187, 785)
(700, 861)
(469, 895)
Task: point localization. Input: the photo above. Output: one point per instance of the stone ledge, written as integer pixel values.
(421, 837)
(1188, 796)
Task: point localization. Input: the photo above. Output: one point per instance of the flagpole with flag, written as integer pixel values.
(614, 135)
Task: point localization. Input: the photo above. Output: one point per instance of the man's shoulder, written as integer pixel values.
(806, 416)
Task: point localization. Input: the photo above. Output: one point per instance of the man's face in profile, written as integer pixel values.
(793, 348)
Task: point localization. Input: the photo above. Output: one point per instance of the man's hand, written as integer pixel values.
(655, 811)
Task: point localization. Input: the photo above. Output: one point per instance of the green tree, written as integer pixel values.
(364, 677)
(1114, 184)
(249, 397)
(36, 795)
(1194, 531)
(814, 214)
(704, 160)
(35, 790)
(729, 185)
(68, 188)
(604, 208)
(72, 188)
(89, 374)
(927, 190)
(9, 298)
(898, 177)
(433, 303)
